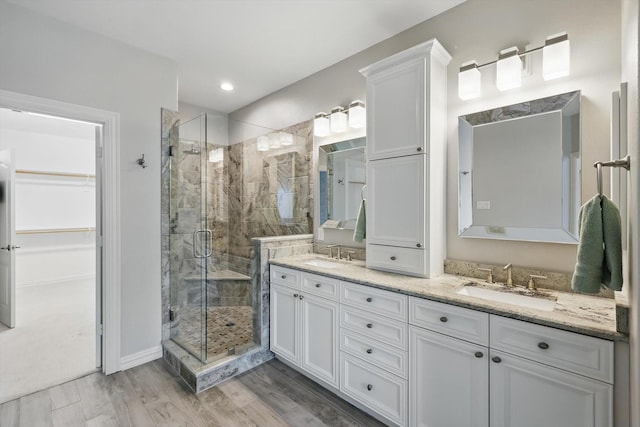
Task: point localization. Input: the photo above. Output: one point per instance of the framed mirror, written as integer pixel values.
(341, 182)
(519, 171)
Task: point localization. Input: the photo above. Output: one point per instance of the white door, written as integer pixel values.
(398, 202)
(284, 316)
(528, 394)
(320, 338)
(448, 381)
(7, 237)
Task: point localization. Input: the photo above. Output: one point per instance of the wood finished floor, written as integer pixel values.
(150, 395)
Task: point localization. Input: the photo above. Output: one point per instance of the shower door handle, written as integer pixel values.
(209, 244)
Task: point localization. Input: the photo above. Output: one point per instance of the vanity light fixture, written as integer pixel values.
(321, 125)
(216, 155)
(340, 119)
(556, 59)
(357, 115)
(274, 140)
(262, 143)
(286, 139)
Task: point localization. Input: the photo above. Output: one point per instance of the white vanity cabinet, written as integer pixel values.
(406, 136)
(448, 377)
(304, 322)
(542, 376)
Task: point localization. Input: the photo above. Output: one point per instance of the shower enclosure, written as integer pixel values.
(212, 295)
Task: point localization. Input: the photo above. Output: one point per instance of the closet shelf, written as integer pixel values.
(56, 230)
(50, 173)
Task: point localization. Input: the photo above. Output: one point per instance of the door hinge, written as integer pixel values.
(99, 152)
(172, 315)
(171, 151)
(99, 330)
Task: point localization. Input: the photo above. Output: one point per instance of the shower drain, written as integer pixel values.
(230, 324)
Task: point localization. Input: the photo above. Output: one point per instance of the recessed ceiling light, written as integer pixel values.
(226, 86)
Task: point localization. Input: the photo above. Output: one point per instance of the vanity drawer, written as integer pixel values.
(382, 302)
(384, 356)
(381, 391)
(372, 325)
(462, 323)
(393, 258)
(320, 285)
(285, 276)
(588, 356)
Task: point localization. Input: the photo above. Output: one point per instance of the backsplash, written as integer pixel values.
(559, 281)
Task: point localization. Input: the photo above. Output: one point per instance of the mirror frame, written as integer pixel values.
(534, 108)
(317, 143)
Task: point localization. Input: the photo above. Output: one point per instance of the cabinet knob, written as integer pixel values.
(496, 359)
(301, 296)
(419, 149)
(478, 354)
(418, 245)
(369, 325)
(393, 258)
(283, 276)
(543, 345)
(444, 319)
(318, 285)
(295, 295)
(369, 299)
(369, 387)
(369, 350)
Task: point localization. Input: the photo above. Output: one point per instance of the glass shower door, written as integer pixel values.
(190, 240)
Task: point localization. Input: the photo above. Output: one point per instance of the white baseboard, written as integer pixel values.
(140, 358)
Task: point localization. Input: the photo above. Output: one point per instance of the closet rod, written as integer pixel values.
(56, 230)
(70, 175)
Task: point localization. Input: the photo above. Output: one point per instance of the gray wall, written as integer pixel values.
(49, 59)
(478, 29)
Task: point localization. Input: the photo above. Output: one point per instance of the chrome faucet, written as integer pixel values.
(330, 247)
(532, 285)
(508, 268)
(490, 276)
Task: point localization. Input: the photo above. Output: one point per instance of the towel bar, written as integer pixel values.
(625, 162)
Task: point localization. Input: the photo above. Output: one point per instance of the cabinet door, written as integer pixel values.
(396, 111)
(284, 325)
(319, 321)
(528, 394)
(448, 381)
(397, 205)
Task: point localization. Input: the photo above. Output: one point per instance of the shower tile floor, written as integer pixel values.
(228, 328)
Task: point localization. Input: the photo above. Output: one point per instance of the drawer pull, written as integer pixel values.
(478, 354)
(543, 345)
(369, 387)
(418, 245)
(369, 299)
(496, 359)
(419, 149)
(318, 285)
(295, 295)
(283, 276)
(393, 258)
(369, 350)
(369, 325)
(444, 319)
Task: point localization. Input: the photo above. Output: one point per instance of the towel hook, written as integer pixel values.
(624, 162)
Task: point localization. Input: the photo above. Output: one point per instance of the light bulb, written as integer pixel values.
(469, 81)
(509, 69)
(321, 125)
(274, 140)
(286, 138)
(338, 120)
(556, 56)
(262, 143)
(357, 115)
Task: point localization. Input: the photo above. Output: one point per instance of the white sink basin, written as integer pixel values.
(508, 298)
(322, 263)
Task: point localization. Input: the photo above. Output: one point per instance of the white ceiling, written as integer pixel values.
(258, 45)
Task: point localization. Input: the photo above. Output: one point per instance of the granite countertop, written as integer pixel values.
(579, 313)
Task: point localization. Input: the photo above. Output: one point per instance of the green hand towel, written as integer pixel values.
(612, 233)
(599, 259)
(360, 233)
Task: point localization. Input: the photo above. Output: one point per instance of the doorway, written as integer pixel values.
(50, 286)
